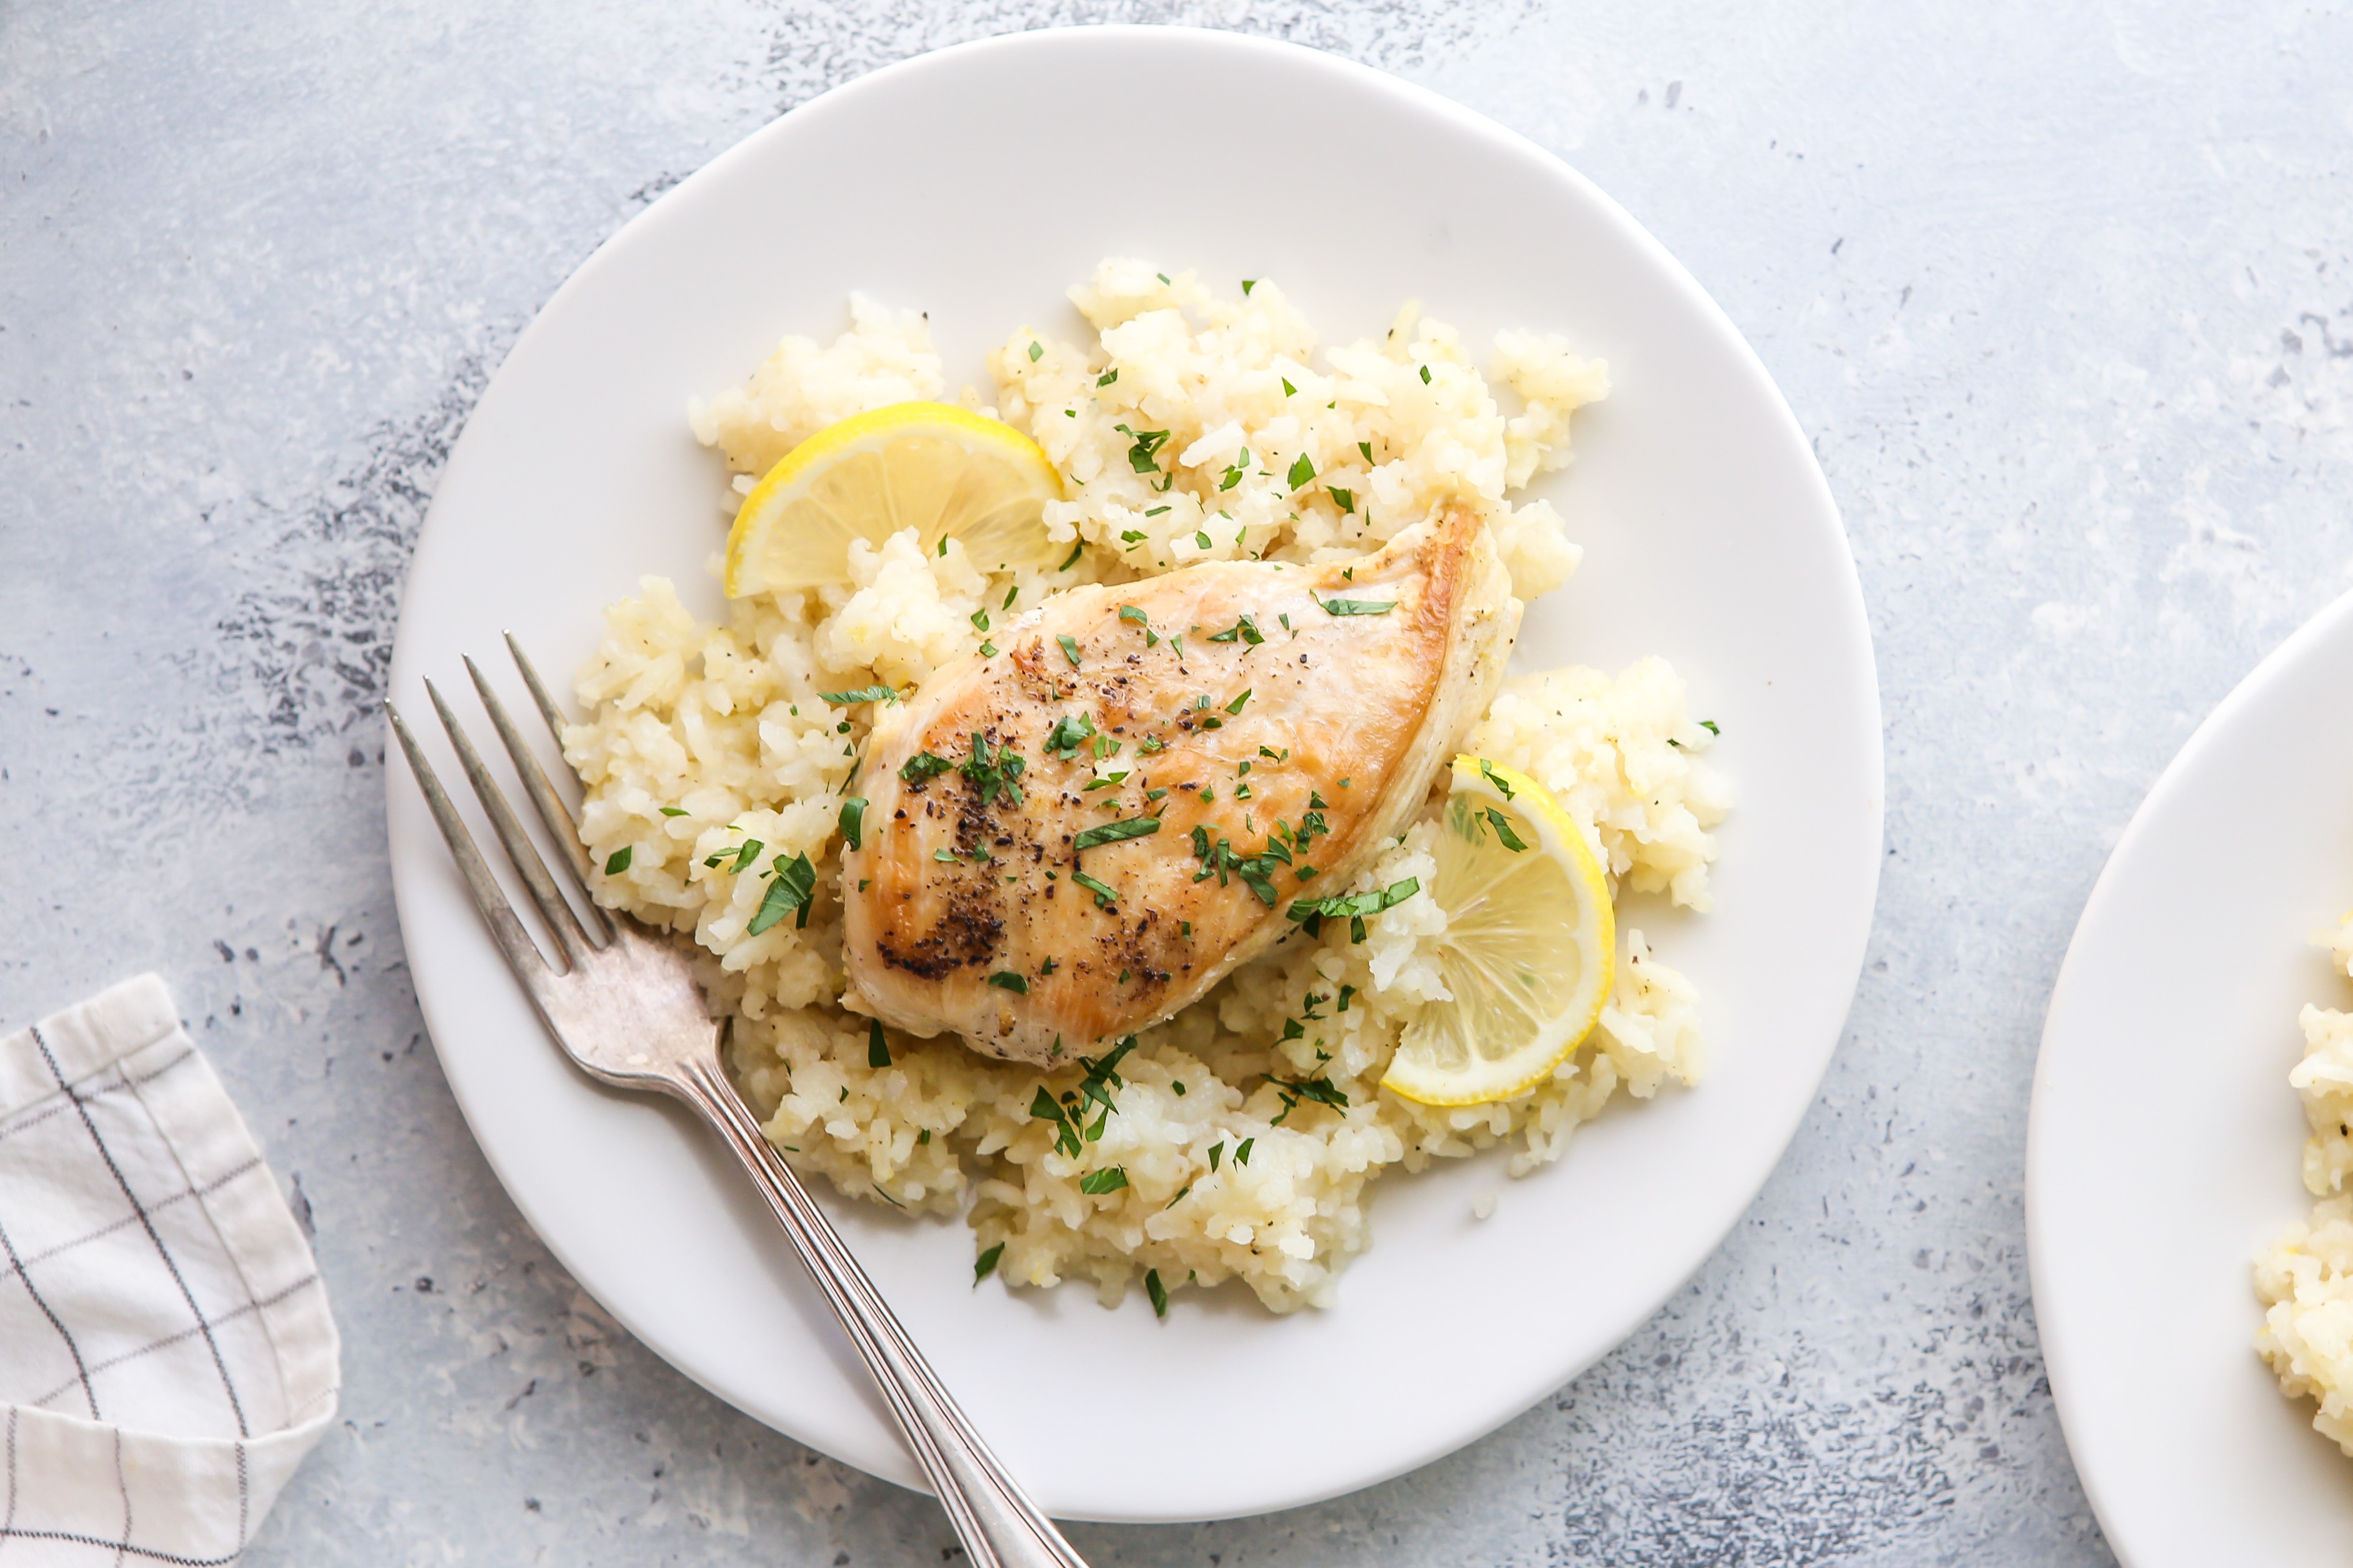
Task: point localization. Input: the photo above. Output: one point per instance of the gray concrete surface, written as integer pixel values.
(2061, 294)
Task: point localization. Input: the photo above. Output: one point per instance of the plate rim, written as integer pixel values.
(1859, 661)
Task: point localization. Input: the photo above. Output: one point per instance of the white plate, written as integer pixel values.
(2165, 1144)
(978, 183)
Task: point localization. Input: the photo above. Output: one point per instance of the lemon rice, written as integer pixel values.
(1183, 425)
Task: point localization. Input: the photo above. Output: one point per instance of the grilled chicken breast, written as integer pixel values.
(1078, 837)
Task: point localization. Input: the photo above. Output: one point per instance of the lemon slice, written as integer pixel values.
(1530, 949)
(943, 470)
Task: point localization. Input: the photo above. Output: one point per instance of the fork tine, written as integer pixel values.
(547, 709)
(514, 943)
(522, 853)
(544, 798)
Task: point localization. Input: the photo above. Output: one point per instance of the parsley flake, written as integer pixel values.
(923, 765)
(1113, 832)
(878, 1049)
(985, 1264)
(619, 860)
(1356, 606)
(792, 890)
(853, 821)
(1006, 980)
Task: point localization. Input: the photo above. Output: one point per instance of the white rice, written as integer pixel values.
(2305, 1277)
(724, 725)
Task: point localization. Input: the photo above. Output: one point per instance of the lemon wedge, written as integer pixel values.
(1530, 949)
(943, 470)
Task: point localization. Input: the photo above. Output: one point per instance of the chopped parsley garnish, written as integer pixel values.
(1503, 785)
(981, 620)
(1113, 832)
(1320, 1088)
(1107, 377)
(1354, 907)
(1367, 448)
(1162, 276)
(1131, 537)
(1303, 471)
(994, 771)
(793, 889)
(1069, 736)
(1242, 1154)
(1217, 859)
(1070, 1124)
(1235, 707)
(1216, 1152)
(1072, 558)
(1289, 390)
(1178, 1085)
(1348, 995)
(948, 855)
(1344, 499)
(1185, 930)
(1006, 980)
(1038, 352)
(1143, 454)
(1153, 510)
(1502, 826)
(1235, 471)
(1152, 1285)
(1151, 744)
(1135, 613)
(1356, 606)
(1069, 648)
(746, 854)
(1110, 1179)
(619, 860)
(1104, 896)
(1249, 284)
(1425, 376)
(923, 765)
(673, 811)
(985, 1264)
(1201, 539)
(853, 821)
(1709, 725)
(988, 650)
(1011, 594)
(878, 1049)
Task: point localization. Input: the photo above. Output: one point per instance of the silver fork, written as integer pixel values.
(622, 1003)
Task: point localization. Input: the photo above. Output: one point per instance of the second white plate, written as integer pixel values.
(978, 183)
(2164, 1142)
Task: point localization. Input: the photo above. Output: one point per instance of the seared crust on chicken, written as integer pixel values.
(1078, 837)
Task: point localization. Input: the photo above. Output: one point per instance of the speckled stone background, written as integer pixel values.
(2061, 294)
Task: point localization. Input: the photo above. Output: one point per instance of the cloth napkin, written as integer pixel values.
(166, 1354)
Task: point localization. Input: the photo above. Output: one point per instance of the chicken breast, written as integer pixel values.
(1074, 839)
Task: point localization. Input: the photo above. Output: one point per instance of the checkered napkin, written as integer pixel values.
(166, 1356)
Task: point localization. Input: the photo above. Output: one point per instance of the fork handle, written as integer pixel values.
(994, 1518)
